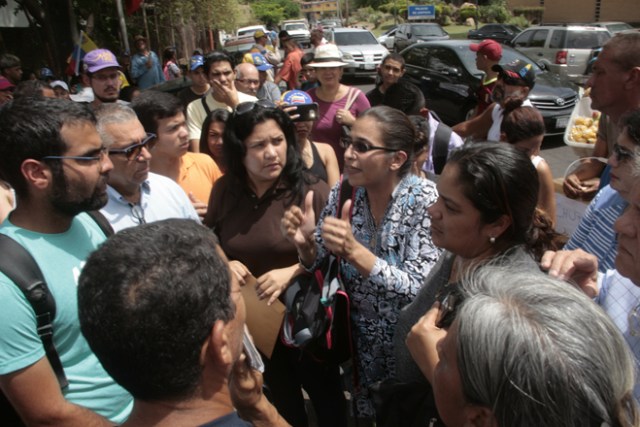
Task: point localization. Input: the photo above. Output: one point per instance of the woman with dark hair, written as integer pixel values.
(264, 177)
(523, 128)
(170, 68)
(382, 239)
(211, 136)
(485, 213)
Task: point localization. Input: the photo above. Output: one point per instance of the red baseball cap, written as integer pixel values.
(489, 48)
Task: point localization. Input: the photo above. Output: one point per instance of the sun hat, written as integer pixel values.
(196, 61)
(258, 60)
(296, 97)
(517, 72)
(59, 83)
(327, 55)
(489, 48)
(99, 59)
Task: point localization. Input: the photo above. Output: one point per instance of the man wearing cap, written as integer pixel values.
(199, 82)
(291, 67)
(488, 54)
(46, 75)
(262, 46)
(252, 78)
(103, 71)
(223, 94)
(515, 81)
(60, 89)
(146, 69)
(11, 68)
(136, 195)
(6, 90)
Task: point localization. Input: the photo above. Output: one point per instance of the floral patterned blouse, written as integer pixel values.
(405, 255)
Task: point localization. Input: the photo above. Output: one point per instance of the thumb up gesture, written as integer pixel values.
(337, 235)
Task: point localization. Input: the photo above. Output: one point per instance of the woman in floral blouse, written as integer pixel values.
(384, 244)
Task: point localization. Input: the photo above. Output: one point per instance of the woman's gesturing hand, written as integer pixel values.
(337, 234)
(298, 225)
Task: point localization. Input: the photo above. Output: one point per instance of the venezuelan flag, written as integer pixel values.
(83, 47)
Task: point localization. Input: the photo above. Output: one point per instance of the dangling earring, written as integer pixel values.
(492, 240)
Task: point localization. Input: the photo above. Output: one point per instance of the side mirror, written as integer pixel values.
(409, 35)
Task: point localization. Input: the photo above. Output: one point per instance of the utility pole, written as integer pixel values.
(123, 26)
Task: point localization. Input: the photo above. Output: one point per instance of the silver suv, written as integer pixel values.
(562, 49)
(360, 50)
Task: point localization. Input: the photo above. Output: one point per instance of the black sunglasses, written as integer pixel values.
(361, 146)
(245, 107)
(133, 151)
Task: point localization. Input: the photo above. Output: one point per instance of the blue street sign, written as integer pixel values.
(422, 12)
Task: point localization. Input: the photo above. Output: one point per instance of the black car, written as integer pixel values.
(502, 33)
(447, 75)
(408, 34)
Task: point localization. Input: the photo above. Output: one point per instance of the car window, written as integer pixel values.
(508, 55)
(490, 28)
(558, 39)
(539, 38)
(586, 39)
(417, 57)
(523, 39)
(355, 38)
(427, 30)
(613, 28)
(441, 59)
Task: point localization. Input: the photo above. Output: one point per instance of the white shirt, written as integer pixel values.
(454, 142)
(496, 115)
(160, 198)
(196, 112)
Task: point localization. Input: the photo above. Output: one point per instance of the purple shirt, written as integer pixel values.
(326, 128)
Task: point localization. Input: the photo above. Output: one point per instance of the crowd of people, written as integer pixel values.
(149, 217)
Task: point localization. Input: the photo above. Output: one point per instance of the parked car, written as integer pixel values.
(447, 74)
(298, 30)
(502, 33)
(408, 34)
(386, 39)
(243, 39)
(360, 50)
(613, 27)
(563, 49)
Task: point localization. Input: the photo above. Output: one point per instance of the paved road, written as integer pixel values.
(554, 150)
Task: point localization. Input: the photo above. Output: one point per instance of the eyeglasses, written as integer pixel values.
(248, 81)
(138, 213)
(133, 151)
(622, 154)
(101, 154)
(361, 146)
(449, 308)
(245, 107)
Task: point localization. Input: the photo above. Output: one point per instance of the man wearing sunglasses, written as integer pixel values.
(223, 94)
(515, 81)
(52, 155)
(136, 196)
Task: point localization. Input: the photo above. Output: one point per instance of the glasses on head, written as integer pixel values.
(245, 107)
(449, 308)
(100, 155)
(133, 151)
(248, 81)
(622, 154)
(361, 146)
(138, 214)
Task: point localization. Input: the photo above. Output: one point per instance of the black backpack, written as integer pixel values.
(19, 266)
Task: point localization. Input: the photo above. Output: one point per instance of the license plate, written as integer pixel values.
(369, 66)
(562, 122)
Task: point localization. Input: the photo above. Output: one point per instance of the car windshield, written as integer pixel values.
(615, 28)
(586, 39)
(426, 30)
(508, 55)
(296, 27)
(355, 38)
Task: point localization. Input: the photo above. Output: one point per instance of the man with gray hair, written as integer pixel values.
(136, 195)
(251, 80)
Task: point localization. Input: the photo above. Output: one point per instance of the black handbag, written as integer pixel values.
(404, 404)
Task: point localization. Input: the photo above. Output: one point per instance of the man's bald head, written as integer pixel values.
(247, 78)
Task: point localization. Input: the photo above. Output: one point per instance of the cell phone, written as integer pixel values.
(306, 112)
(253, 356)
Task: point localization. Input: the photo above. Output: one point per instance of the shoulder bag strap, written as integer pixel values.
(20, 267)
(441, 147)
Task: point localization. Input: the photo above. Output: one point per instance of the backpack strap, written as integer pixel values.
(346, 192)
(441, 147)
(204, 105)
(19, 266)
(102, 222)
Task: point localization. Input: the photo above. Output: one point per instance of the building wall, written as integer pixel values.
(584, 10)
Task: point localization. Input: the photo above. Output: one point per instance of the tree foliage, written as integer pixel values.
(271, 12)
